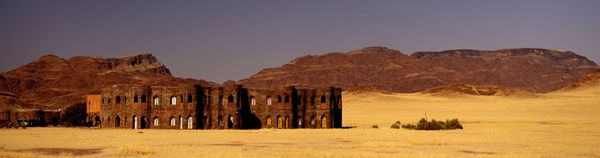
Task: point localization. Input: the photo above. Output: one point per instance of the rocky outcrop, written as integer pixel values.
(481, 90)
(52, 82)
(526, 69)
(591, 81)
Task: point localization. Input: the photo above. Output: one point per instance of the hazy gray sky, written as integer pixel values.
(221, 40)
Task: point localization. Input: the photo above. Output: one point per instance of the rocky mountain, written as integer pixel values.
(526, 69)
(591, 81)
(52, 82)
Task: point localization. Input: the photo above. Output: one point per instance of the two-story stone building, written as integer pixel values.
(229, 107)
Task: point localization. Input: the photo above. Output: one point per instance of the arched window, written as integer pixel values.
(269, 100)
(108, 100)
(155, 122)
(230, 99)
(279, 99)
(126, 102)
(173, 100)
(323, 99)
(118, 100)
(312, 100)
(189, 99)
(103, 100)
(269, 122)
(252, 100)
(156, 100)
(135, 99)
(143, 98)
(287, 99)
(173, 121)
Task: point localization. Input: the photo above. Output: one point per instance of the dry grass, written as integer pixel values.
(551, 125)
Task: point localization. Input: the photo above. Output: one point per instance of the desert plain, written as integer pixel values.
(558, 124)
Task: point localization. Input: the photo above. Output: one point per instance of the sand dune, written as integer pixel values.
(561, 124)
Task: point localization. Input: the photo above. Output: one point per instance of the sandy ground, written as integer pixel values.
(550, 125)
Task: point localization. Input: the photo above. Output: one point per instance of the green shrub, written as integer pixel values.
(434, 125)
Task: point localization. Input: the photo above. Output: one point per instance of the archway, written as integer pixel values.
(279, 122)
(97, 121)
(299, 121)
(230, 122)
(117, 121)
(287, 121)
(189, 123)
(135, 122)
(143, 123)
(180, 122)
(313, 122)
(324, 122)
(269, 122)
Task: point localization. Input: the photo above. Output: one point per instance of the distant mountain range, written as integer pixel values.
(524, 69)
(52, 82)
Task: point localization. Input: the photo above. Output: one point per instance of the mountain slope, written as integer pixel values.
(527, 69)
(52, 82)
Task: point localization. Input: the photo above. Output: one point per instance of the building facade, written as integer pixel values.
(228, 107)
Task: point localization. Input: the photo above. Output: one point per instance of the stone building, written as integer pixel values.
(228, 107)
(30, 117)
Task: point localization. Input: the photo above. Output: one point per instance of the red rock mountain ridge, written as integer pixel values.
(592, 80)
(52, 82)
(526, 69)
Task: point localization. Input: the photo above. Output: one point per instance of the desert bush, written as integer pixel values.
(396, 125)
(423, 124)
(374, 126)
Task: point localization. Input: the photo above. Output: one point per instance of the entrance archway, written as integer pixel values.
(143, 123)
(230, 122)
(97, 121)
(117, 121)
(287, 121)
(279, 122)
(189, 123)
(135, 122)
(324, 122)
(180, 122)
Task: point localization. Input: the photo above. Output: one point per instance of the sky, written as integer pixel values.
(219, 40)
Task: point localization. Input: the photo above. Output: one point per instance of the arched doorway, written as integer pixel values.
(97, 121)
(230, 122)
(143, 123)
(324, 121)
(269, 122)
(313, 122)
(299, 121)
(180, 122)
(135, 122)
(117, 121)
(189, 123)
(287, 121)
(279, 122)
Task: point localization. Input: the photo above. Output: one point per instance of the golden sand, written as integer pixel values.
(562, 124)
